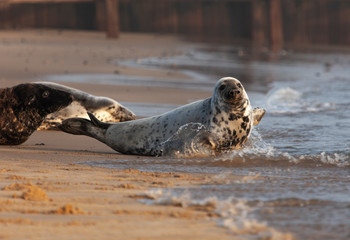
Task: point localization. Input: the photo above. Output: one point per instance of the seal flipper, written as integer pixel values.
(258, 114)
(75, 126)
(97, 122)
(81, 126)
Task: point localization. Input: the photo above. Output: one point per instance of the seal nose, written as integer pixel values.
(234, 92)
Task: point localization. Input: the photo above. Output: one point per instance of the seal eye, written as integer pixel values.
(222, 87)
(45, 94)
(239, 85)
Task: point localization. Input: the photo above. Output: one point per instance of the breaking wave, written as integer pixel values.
(257, 150)
(287, 100)
(235, 214)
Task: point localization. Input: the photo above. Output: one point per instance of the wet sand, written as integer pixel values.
(45, 194)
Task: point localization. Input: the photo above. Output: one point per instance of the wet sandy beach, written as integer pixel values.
(58, 186)
(45, 194)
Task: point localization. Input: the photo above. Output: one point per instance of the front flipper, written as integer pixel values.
(258, 114)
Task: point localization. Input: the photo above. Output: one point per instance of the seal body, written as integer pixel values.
(24, 107)
(213, 125)
(105, 109)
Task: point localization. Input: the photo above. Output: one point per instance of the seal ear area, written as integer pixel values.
(30, 100)
(25, 94)
(258, 114)
(97, 122)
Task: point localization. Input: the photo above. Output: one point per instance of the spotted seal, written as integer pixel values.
(211, 126)
(105, 109)
(24, 107)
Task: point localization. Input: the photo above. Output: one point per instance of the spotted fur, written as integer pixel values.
(24, 107)
(226, 117)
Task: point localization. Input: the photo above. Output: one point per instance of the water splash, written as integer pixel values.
(337, 159)
(235, 214)
(191, 140)
(257, 149)
(285, 95)
(287, 100)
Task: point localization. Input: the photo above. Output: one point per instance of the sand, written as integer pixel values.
(45, 193)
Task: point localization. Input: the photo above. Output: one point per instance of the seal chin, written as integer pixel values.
(235, 100)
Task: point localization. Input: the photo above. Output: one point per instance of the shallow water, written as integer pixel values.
(295, 168)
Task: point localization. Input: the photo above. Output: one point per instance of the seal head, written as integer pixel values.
(24, 107)
(231, 119)
(229, 94)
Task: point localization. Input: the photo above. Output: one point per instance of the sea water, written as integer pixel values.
(295, 168)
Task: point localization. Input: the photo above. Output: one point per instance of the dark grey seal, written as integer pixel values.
(24, 107)
(203, 128)
(105, 109)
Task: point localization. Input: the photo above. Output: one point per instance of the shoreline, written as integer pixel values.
(49, 191)
(233, 197)
(45, 194)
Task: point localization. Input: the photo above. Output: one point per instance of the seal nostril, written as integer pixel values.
(238, 92)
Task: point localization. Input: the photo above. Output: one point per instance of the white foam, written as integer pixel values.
(285, 95)
(234, 214)
(256, 147)
(341, 160)
(287, 100)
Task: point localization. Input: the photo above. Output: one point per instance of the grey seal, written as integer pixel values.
(105, 109)
(24, 107)
(206, 127)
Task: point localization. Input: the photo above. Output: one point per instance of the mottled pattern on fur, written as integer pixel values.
(105, 109)
(224, 122)
(24, 107)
